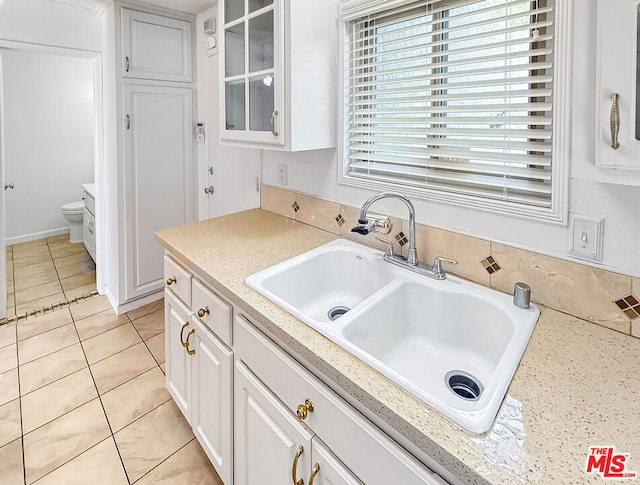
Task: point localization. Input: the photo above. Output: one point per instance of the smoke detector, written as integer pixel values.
(95, 5)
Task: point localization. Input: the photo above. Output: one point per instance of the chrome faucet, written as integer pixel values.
(366, 225)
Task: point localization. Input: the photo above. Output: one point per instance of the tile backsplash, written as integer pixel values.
(586, 292)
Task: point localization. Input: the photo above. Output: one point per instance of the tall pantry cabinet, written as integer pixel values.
(149, 166)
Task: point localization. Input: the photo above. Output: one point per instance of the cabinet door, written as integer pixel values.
(155, 47)
(267, 436)
(618, 64)
(158, 178)
(327, 469)
(211, 412)
(178, 361)
(251, 64)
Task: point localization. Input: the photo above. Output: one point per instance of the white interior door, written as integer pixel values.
(3, 258)
(233, 172)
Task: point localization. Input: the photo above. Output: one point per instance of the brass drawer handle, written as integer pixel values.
(304, 409)
(294, 469)
(186, 345)
(171, 280)
(182, 341)
(314, 472)
(203, 311)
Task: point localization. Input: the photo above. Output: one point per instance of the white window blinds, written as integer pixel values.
(455, 97)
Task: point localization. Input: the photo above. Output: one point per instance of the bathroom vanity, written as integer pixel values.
(89, 219)
(247, 373)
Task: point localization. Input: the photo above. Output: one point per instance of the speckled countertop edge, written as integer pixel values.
(554, 382)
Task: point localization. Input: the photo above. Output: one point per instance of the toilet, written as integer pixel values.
(73, 213)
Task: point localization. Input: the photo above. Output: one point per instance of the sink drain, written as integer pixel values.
(336, 312)
(464, 385)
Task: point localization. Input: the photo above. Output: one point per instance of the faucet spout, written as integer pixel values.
(412, 256)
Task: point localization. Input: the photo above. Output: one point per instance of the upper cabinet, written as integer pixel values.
(155, 47)
(618, 85)
(279, 74)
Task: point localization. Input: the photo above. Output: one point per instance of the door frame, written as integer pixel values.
(3, 259)
(98, 159)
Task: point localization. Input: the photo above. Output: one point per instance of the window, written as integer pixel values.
(454, 99)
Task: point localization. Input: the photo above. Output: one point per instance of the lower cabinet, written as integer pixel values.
(178, 362)
(199, 378)
(270, 445)
(286, 416)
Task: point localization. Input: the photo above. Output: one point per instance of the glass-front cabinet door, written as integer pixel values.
(251, 62)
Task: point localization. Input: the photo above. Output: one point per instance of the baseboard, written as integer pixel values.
(132, 305)
(36, 235)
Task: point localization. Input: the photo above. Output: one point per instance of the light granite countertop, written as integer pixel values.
(577, 385)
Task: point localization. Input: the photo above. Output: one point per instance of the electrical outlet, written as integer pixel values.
(283, 176)
(586, 236)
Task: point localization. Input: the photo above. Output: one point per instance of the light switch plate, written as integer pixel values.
(585, 237)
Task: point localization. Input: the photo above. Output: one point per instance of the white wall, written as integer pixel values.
(48, 23)
(49, 138)
(234, 168)
(315, 173)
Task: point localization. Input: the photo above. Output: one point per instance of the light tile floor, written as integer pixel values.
(45, 272)
(83, 400)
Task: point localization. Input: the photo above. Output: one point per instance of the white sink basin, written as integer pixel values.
(451, 343)
(336, 276)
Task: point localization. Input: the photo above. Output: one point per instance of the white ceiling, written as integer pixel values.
(189, 6)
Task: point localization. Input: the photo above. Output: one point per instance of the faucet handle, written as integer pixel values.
(437, 265)
(389, 244)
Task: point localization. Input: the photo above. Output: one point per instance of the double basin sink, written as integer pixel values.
(451, 343)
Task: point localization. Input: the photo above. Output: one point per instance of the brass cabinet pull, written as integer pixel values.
(614, 120)
(203, 311)
(182, 341)
(314, 472)
(304, 409)
(186, 344)
(171, 280)
(294, 469)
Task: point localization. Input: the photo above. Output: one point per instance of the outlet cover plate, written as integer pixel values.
(585, 237)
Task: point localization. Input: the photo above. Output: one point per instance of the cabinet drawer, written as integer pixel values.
(89, 203)
(178, 280)
(370, 454)
(216, 313)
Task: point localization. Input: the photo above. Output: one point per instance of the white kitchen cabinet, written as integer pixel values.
(211, 396)
(199, 366)
(158, 176)
(155, 47)
(367, 453)
(279, 74)
(618, 67)
(178, 362)
(148, 172)
(267, 436)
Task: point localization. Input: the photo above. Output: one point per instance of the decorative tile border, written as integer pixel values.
(599, 296)
(630, 306)
(490, 264)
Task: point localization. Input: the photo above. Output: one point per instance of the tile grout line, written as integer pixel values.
(178, 450)
(24, 463)
(104, 411)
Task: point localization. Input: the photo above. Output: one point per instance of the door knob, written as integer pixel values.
(8, 186)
